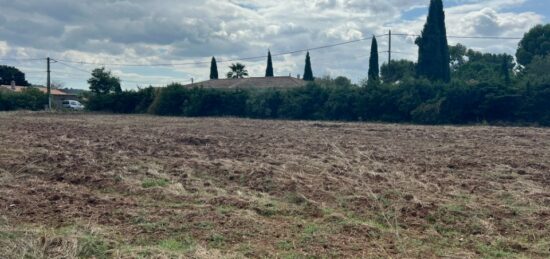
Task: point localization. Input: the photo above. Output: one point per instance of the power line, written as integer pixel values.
(462, 37)
(122, 80)
(65, 61)
(22, 59)
(71, 66)
(219, 61)
(277, 54)
(401, 52)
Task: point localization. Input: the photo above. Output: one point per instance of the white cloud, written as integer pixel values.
(4, 48)
(174, 31)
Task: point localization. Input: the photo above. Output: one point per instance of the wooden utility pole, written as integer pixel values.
(48, 84)
(389, 48)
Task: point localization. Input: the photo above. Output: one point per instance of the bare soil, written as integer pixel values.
(81, 185)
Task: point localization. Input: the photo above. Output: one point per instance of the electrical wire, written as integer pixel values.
(22, 59)
(276, 54)
(122, 80)
(462, 37)
(65, 61)
(73, 67)
(219, 61)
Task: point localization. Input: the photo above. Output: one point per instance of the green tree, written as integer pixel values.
(269, 69)
(505, 70)
(537, 70)
(457, 55)
(482, 67)
(7, 74)
(374, 69)
(308, 72)
(433, 49)
(397, 70)
(536, 42)
(103, 82)
(342, 81)
(238, 70)
(213, 69)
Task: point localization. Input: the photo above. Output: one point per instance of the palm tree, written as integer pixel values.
(238, 70)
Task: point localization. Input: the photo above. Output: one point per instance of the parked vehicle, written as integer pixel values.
(73, 105)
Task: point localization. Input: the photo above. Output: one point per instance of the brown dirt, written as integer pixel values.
(281, 189)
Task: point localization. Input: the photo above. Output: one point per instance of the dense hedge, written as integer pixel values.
(29, 99)
(123, 102)
(417, 101)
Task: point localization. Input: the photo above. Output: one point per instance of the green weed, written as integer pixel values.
(91, 246)
(178, 245)
(151, 183)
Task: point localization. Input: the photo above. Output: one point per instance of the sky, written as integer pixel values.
(131, 38)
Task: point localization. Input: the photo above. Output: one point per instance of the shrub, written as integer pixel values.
(29, 99)
(123, 102)
(417, 101)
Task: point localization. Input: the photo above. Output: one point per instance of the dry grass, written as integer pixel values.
(152, 187)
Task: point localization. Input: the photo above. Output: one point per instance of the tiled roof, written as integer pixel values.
(252, 82)
(42, 89)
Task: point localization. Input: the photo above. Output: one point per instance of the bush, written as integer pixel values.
(123, 102)
(178, 100)
(264, 103)
(417, 101)
(30, 99)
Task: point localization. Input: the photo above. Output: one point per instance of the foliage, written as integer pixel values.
(433, 49)
(537, 70)
(265, 103)
(30, 99)
(103, 82)
(374, 70)
(398, 70)
(304, 103)
(176, 99)
(457, 56)
(7, 74)
(151, 183)
(213, 69)
(269, 69)
(473, 66)
(412, 100)
(123, 102)
(535, 43)
(238, 70)
(485, 88)
(308, 72)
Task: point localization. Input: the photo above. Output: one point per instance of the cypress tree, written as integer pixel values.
(213, 69)
(308, 73)
(374, 69)
(433, 48)
(269, 69)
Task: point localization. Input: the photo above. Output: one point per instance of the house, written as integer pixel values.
(252, 82)
(58, 96)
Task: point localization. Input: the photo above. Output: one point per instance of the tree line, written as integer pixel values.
(447, 85)
(238, 70)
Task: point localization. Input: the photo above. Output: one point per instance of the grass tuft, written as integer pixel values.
(152, 183)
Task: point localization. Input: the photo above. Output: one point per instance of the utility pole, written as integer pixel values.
(48, 85)
(389, 48)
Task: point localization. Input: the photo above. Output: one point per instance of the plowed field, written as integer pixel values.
(80, 185)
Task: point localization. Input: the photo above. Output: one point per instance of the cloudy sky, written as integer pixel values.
(128, 36)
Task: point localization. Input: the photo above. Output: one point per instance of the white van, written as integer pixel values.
(72, 105)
